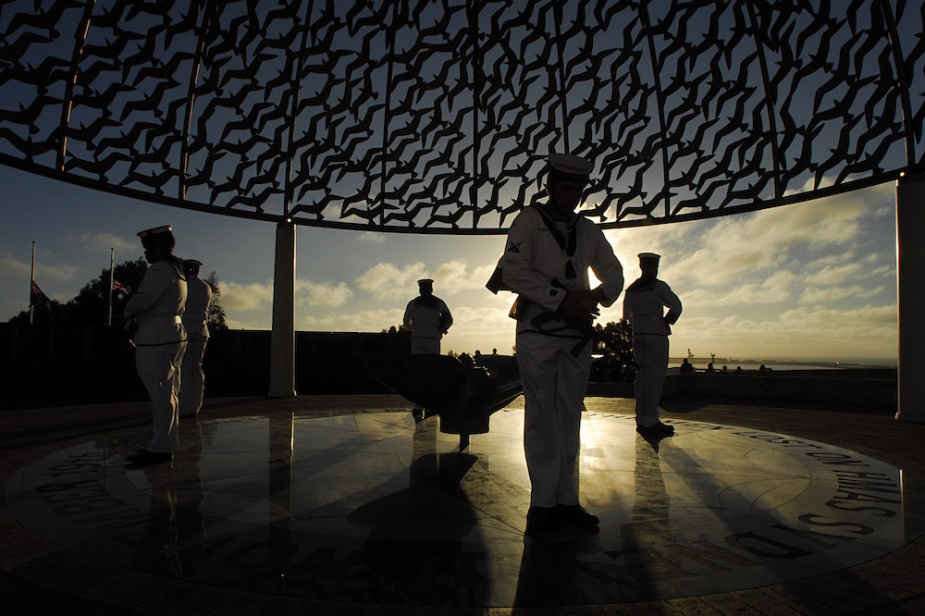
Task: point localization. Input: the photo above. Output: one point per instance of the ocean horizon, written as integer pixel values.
(789, 363)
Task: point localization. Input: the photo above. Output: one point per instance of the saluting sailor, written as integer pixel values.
(160, 341)
(644, 306)
(548, 252)
(195, 318)
(429, 319)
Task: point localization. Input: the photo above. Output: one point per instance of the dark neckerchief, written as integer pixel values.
(427, 300)
(643, 283)
(566, 245)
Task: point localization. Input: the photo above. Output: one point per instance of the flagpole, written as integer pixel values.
(112, 252)
(32, 282)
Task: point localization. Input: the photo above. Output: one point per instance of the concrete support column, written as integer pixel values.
(282, 342)
(910, 272)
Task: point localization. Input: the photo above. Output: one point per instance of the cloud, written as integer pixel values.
(778, 287)
(325, 294)
(391, 282)
(834, 275)
(387, 281)
(868, 331)
(104, 241)
(373, 320)
(454, 277)
(370, 236)
(719, 252)
(481, 328)
(245, 297)
(256, 323)
(44, 272)
(833, 294)
(14, 267)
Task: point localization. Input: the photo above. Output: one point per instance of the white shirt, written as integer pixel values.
(427, 317)
(158, 305)
(198, 298)
(644, 305)
(533, 260)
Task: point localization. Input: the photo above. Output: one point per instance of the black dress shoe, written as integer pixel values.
(666, 428)
(541, 521)
(143, 458)
(577, 515)
(659, 430)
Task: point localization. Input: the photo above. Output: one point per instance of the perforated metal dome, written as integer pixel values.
(435, 116)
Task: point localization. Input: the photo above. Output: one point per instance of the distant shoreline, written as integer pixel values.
(785, 364)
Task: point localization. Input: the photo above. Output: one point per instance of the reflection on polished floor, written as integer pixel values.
(367, 507)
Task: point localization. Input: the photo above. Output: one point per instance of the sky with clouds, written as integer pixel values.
(812, 280)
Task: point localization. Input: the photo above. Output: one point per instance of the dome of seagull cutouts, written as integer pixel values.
(435, 116)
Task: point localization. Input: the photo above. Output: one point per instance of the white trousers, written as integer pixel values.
(652, 356)
(555, 383)
(425, 346)
(192, 383)
(159, 369)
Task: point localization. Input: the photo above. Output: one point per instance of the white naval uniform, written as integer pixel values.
(554, 378)
(198, 298)
(427, 318)
(643, 305)
(160, 342)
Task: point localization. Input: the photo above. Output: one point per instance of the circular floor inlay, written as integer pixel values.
(370, 507)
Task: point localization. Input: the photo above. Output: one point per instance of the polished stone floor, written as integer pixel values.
(365, 507)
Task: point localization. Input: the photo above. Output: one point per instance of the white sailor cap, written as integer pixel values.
(155, 231)
(570, 167)
(649, 256)
(425, 281)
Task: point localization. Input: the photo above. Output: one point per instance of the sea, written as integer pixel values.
(803, 363)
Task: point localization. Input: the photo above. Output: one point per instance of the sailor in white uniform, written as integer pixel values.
(160, 341)
(195, 317)
(548, 252)
(429, 319)
(644, 306)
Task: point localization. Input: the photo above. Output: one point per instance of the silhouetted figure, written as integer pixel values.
(429, 319)
(548, 252)
(687, 368)
(160, 341)
(710, 368)
(195, 317)
(643, 306)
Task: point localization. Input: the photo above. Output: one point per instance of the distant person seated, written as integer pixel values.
(738, 368)
(686, 367)
(763, 368)
(725, 368)
(710, 368)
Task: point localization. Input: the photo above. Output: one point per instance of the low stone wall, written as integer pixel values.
(862, 386)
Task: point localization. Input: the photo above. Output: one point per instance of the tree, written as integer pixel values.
(615, 342)
(90, 307)
(216, 318)
(91, 304)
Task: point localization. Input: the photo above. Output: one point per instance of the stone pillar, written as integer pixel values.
(282, 342)
(910, 282)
